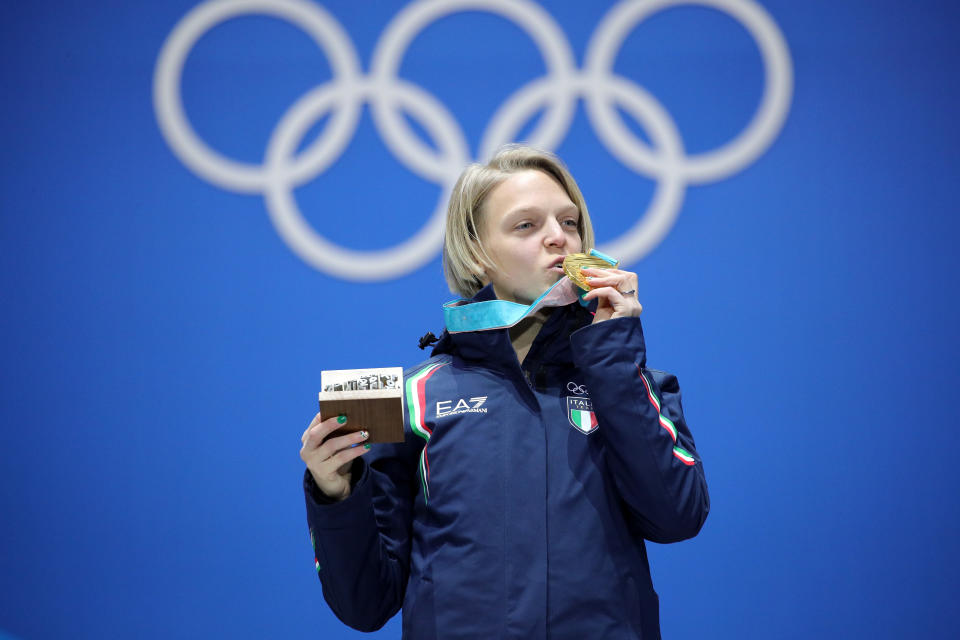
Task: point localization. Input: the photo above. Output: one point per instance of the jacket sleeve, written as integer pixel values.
(649, 449)
(362, 544)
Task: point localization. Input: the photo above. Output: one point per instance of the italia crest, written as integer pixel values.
(581, 415)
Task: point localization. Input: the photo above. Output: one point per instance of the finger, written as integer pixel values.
(347, 455)
(318, 432)
(595, 282)
(332, 446)
(610, 272)
(313, 423)
(610, 295)
(622, 305)
(599, 273)
(592, 271)
(623, 280)
(326, 450)
(605, 293)
(612, 280)
(608, 300)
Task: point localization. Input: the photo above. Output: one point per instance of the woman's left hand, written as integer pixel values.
(615, 292)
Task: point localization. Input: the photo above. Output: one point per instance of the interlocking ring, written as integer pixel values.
(578, 389)
(556, 94)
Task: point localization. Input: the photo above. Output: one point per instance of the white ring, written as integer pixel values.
(209, 164)
(663, 159)
(396, 38)
(663, 209)
(766, 123)
(311, 246)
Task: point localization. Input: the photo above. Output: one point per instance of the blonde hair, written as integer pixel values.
(463, 252)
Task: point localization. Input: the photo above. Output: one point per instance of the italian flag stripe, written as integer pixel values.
(665, 422)
(313, 543)
(684, 456)
(417, 401)
(417, 410)
(584, 419)
(424, 474)
(669, 426)
(653, 399)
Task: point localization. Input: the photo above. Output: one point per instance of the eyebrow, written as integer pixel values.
(535, 209)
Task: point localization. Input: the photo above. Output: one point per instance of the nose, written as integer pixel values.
(554, 235)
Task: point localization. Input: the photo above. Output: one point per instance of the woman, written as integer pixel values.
(537, 457)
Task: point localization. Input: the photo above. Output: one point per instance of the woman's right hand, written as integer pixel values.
(330, 461)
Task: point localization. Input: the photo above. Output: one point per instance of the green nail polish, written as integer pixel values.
(341, 419)
(366, 446)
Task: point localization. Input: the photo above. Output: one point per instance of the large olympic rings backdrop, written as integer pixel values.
(557, 93)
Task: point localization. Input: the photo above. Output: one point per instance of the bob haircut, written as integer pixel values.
(464, 255)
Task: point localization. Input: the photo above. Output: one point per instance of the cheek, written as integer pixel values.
(575, 242)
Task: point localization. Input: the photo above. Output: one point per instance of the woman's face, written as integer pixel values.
(528, 224)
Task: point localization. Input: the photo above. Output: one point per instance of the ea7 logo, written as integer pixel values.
(475, 405)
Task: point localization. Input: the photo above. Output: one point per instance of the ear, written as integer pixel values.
(480, 268)
(480, 273)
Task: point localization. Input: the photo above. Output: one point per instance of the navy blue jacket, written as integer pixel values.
(519, 503)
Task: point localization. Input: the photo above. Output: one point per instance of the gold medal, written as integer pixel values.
(576, 261)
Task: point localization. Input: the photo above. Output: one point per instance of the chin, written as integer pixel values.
(533, 295)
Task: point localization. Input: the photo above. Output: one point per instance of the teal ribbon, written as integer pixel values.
(462, 315)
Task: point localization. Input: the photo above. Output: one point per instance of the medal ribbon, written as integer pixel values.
(463, 315)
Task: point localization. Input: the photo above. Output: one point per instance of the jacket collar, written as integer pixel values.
(493, 348)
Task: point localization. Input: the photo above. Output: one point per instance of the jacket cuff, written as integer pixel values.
(326, 513)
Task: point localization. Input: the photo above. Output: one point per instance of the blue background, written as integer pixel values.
(162, 346)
